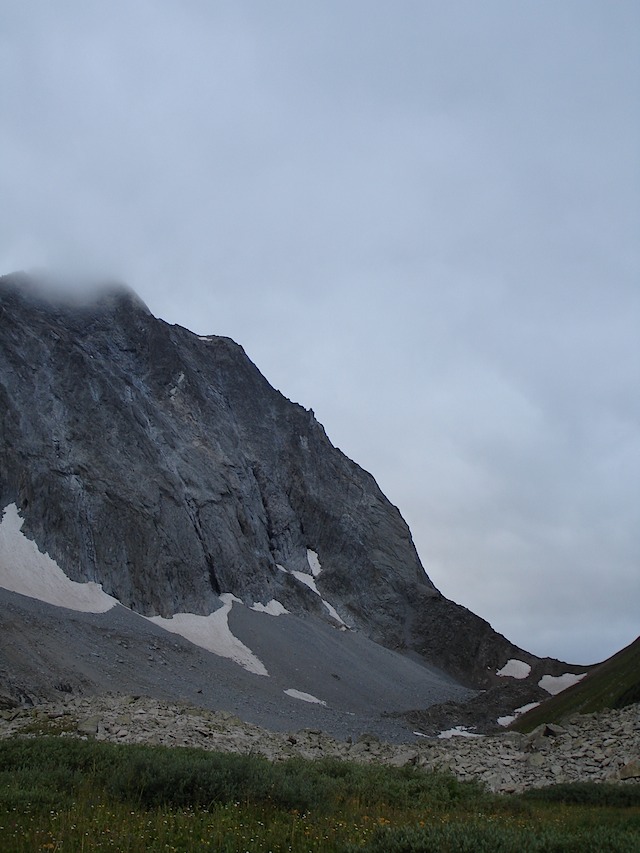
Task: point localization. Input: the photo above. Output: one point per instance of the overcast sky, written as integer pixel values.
(420, 219)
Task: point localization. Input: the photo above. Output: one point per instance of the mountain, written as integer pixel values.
(162, 466)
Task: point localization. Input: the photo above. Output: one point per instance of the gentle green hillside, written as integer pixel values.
(613, 684)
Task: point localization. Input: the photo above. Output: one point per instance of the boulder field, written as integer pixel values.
(592, 747)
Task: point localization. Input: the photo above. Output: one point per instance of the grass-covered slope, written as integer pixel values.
(69, 795)
(613, 684)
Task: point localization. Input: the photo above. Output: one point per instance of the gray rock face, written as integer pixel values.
(164, 466)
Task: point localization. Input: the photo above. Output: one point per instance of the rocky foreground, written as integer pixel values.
(596, 747)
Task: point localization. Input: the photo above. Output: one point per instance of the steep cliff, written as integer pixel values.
(164, 466)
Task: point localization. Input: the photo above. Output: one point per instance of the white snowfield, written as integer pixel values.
(273, 608)
(506, 721)
(212, 633)
(514, 668)
(458, 731)
(555, 684)
(26, 570)
(306, 697)
(314, 562)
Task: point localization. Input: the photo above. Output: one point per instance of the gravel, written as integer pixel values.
(50, 651)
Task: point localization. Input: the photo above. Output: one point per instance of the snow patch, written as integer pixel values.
(307, 580)
(506, 721)
(27, 570)
(458, 731)
(310, 582)
(524, 708)
(314, 562)
(306, 697)
(212, 633)
(273, 608)
(555, 684)
(514, 668)
(333, 612)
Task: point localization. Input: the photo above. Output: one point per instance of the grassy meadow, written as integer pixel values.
(64, 794)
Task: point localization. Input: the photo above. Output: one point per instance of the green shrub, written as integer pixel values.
(392, 786)
(152, 776)
(587, 794)
(482, 838)
(71, 794)
(179, 778)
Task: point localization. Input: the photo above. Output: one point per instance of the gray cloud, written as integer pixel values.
(421, 221)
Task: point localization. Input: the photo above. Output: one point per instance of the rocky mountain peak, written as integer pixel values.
(162, 465)
(165, 466)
